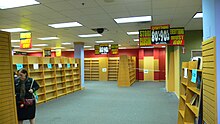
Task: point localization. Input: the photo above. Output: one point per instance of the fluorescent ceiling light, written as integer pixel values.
(105, 41)
(6, 4)
(90, 35)
(40, 45)
(133, 19)
(15, 41)
(133, 33)
(58, 48)
(198, 15)
(14, 29)
(69, 50)
(16, 46)
(65, 25)
(163, 46)
(66, 43)
(136, 40)
(148, 47)
(119, 44)
(48, 38)
(87, 46)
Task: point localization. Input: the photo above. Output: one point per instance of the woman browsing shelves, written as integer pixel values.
(25, 101)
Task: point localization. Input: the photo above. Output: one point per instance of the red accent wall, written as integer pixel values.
(158, 53)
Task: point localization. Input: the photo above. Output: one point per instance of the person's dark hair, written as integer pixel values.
(24, 71)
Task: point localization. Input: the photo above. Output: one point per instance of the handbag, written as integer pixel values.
(30, 102)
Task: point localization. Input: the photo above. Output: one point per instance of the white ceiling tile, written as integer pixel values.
(61, 5)
(158, 4)
(89, 11)
(115, 8)
(79, 3)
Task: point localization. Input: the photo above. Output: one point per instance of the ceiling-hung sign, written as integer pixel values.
(177, 36)
(96, 49)
(160, 34)
(25, 40)
(58, 52)
(114, 49)
(144, 37)
(47, 52)
(103, 48)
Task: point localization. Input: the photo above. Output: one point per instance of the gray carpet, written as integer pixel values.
(105, 103)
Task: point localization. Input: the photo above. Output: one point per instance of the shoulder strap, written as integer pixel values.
(32, 83)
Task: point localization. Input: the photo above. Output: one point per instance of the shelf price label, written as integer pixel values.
(25, 40)
(19, 66)
(68, 65)
(49, 65)
(177, 36)
(144, 37)
(160, 34)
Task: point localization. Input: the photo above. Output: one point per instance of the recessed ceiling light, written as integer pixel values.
(65, 25)
(133, 19)
(198, 15)
(15, 41)
(136, 40)
(40, 45)
(90, 35)
(48, 38)
(105, 41)
(14, 29)
(133, 33)
(6, 4)
(66, 43)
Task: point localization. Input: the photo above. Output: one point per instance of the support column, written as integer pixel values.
(211, 28)
(79, 53)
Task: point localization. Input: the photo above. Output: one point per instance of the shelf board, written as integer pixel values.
(69, 80)
(53, 97)
(50, 84)
(184, 83)
(181, 113)
(38, 79)
(61, 94)
(75, 73)
(35, 71)
(40, 101)
(68, 75)
(76, 84)
(49, 77)
(60, 76)
(194, 109)
(183, 96)
(61, 88)
(39, 94)
(61, 82)
(48, 70)
(68, 69)
(188, 123)
(77, 89)
(75, 79)
(50, 91)
(69, 86)
(195, 90)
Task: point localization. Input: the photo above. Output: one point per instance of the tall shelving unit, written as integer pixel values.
(60, 76)
(56, 76)
(37, 74)
(190, 95)
(87, 69)
(68, 71)
(8, 114)
(127, 70)
(113, 68)
(49, 79)
(94, 69)
(91, 71)
(76, 74)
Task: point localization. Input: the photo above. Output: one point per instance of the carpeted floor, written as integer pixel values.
(105, 103)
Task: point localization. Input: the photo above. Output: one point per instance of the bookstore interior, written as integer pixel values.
(163, 53)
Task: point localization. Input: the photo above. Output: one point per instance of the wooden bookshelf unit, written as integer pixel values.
(190, 93)
(127, 70)
(56, 76)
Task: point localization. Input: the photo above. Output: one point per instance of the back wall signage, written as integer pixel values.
(161, 35)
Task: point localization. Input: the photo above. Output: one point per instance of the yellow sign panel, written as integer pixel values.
(114, 49)
(144, 38)
(58, 52)
(25, 35)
